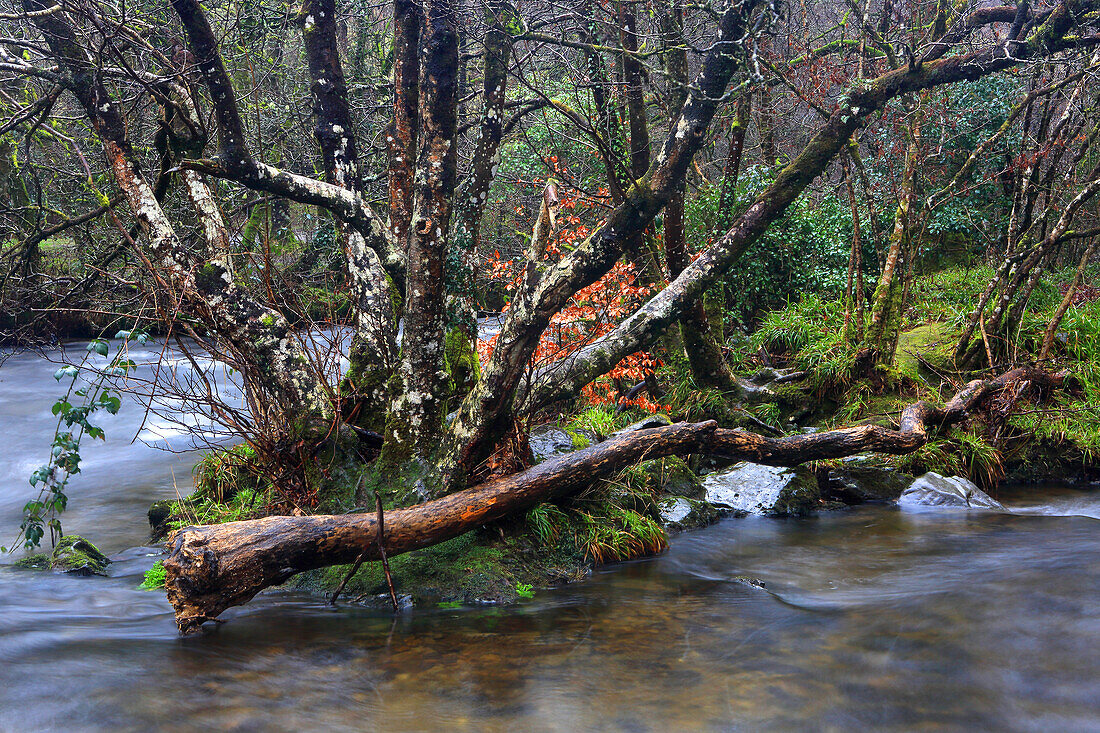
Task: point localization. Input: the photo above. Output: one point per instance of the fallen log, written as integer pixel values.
(213, 567)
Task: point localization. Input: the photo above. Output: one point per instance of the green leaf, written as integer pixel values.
(99, 346)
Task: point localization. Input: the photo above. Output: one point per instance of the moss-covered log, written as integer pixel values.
(214, 567)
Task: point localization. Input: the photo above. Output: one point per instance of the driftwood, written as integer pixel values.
(214, 567)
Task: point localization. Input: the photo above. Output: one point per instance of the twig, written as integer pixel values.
(382, 551)
(355, 566)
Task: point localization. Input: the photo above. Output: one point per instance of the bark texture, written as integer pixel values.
(416, 415)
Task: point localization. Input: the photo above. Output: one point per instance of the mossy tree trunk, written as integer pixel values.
(415, 417)
(887, 304)
(701, 346)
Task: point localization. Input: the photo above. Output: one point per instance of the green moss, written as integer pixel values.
(74, 554)
(931, 342)
(580, 439)
(489, 565)
(460, 362)
(38, 561)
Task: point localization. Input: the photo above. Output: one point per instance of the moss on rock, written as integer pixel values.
(37, 561)
(76, 555)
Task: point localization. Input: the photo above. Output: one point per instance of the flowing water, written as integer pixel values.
(870, 618)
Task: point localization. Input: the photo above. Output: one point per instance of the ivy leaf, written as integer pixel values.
(65, 371)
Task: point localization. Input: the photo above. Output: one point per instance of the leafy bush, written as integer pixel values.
(806, 250)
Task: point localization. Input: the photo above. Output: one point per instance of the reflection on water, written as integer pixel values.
(870, 618)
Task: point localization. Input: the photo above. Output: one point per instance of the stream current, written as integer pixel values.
(869, 618)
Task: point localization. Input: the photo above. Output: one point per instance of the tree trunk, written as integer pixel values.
(1067, 301)
(211, 568)
(416, 414)
(402, 133)
(888, 305)
(701, 347)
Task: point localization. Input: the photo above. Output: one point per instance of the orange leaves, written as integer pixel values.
(591, 313)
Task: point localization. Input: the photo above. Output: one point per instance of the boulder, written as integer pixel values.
(759, 489)
(678, 513)
(859, 484)
(671, 476)
(76, 555)
(934, 490)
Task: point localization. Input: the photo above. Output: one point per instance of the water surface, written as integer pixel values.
(870, 618)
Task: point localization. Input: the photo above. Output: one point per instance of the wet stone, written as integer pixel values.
(680, 513)
(758, 489)
(934, 490)
(548, 441)
(859, 484)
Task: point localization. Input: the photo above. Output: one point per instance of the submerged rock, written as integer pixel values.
(934, 490)
(76, 555)
(858, 484)
(679, 513)
(759, 489)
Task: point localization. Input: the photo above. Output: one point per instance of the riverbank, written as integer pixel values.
(811, 383)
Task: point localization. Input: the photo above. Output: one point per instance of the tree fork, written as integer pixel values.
(214, 567)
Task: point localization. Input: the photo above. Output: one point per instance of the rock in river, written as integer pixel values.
(858, 484)
(679, 513)
(759, 489)
(76, 555)
(934, 490)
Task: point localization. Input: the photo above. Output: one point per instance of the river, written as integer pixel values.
(869, 618)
